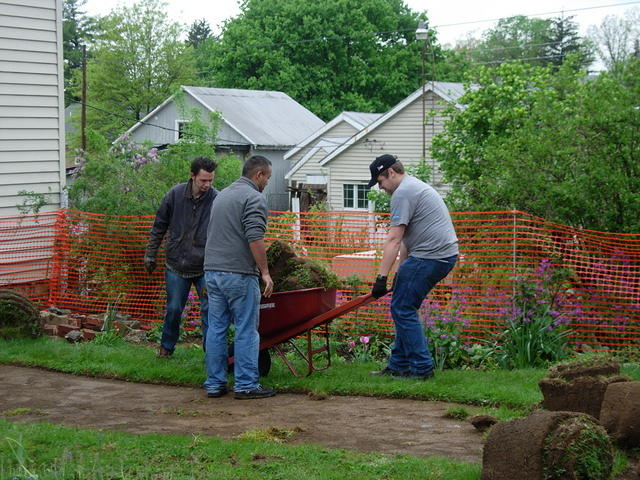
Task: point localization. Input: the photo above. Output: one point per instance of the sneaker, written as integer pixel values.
(164, 353)
(420, 376)
(221, 392)
(258, 392)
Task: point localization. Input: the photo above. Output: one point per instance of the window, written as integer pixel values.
(182, 129)
(355, 196)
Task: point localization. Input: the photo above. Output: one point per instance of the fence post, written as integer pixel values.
(514, 262)
(60, 249)
(295, 208)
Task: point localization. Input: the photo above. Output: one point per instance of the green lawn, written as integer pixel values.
(58, 452)
(516, 388)
(54, 452)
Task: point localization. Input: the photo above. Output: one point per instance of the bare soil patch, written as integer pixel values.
(368, 424)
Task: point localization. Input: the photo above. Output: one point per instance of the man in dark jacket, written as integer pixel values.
(184, 214)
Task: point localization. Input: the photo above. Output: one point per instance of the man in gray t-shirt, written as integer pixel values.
(422, 232)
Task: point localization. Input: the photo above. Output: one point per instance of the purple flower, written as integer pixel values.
(364, 339)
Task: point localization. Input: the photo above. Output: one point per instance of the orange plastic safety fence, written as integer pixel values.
(85, 262)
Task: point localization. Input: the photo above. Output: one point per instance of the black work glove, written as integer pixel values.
(149, 265)
(379, 287)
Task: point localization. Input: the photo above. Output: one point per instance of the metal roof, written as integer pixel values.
(361, 118)
(357, 120)
(265, 118)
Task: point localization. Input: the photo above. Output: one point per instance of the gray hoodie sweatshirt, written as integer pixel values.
(238, 217)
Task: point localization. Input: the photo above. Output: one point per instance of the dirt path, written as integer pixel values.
(359, 423)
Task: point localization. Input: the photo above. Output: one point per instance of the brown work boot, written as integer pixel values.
(163, 352)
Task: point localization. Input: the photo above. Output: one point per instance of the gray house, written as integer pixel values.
(31, 103)
(254, 122)
(339, 160)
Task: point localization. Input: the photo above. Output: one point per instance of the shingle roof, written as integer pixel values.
(265, 118)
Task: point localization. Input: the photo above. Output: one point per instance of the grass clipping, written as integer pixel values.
(290, 272)
(271, 434)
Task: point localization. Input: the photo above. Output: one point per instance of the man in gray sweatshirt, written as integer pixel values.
(234, 260)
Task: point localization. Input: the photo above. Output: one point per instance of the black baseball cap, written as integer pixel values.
(379, 165)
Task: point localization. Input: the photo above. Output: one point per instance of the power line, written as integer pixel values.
(569, 10)
(343, 37)
(326, 38)
(494, 49)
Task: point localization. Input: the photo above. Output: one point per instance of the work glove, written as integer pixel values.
(379, 287)
(149, 265)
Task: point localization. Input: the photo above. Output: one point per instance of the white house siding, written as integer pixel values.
(31, 102)
(400, 135)
(312, 165)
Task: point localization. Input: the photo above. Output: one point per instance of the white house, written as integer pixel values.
(340, 157)
(32, 153)
(31, 138)
(306, 178)
(254, 122)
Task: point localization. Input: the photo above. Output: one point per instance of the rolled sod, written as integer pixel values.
(548, 446)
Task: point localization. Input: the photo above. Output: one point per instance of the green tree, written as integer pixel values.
(534, 41)
(137, 61)
(77, 30)
(549, 144)
(514, 38)
(329, 55)
(564, 40)
(199, 31)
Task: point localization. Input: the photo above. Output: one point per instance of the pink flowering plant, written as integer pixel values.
(359, 349)
(365, 348)
(538, 319)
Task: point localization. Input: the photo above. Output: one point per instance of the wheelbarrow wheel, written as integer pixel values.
(264, 360)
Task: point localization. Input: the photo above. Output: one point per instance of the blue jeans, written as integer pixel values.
(177, 294)
(233, 297)
(415, 279)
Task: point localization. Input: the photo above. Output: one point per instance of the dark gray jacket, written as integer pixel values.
(238, 217)
(185, 221)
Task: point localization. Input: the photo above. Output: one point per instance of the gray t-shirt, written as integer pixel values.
(429, 231)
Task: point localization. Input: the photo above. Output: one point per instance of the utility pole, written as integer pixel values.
(83, 106)
(422, 34)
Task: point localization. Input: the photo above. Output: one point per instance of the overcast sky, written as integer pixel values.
(474, 15)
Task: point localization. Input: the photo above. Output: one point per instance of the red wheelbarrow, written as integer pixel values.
(287, 315)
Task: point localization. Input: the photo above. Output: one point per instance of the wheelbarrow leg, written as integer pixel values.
(308, 355)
